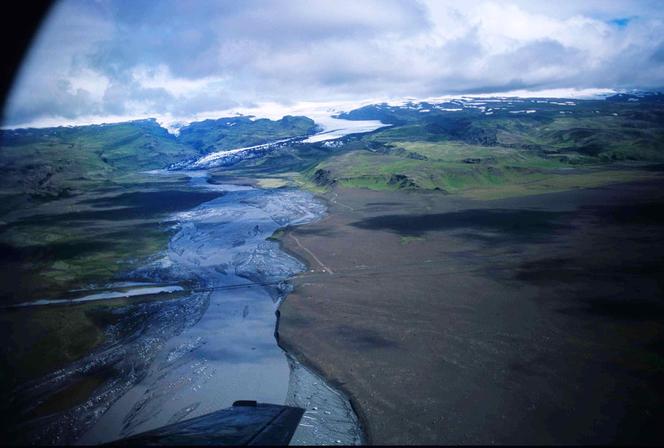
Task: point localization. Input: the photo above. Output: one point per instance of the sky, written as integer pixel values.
(110, 60)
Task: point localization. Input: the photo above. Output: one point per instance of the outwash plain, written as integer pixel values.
(534, 319)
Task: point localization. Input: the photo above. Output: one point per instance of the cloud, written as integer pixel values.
(182, 58)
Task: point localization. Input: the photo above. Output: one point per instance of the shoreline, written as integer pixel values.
(291, 350)
(291, 353)
(300, 358)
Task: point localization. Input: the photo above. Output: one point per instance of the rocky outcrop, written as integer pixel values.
(324, 178)
(402, 181)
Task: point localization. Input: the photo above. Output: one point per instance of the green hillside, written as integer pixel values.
(228, 133)
(504, 152)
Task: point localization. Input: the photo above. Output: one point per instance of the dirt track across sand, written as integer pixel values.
(530, 320)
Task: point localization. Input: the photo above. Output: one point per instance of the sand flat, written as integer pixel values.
(527, 320)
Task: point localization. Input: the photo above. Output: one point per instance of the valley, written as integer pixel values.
(463, 196)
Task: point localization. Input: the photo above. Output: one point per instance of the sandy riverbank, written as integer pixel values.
(527, 320)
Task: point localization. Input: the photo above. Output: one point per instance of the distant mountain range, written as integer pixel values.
(52, 162)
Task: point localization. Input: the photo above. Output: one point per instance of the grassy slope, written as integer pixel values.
(54, 175)
(77, 208)
(57, 235)
(503, 154)
(229, 133)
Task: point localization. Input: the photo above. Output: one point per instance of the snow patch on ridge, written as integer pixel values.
(314, 110)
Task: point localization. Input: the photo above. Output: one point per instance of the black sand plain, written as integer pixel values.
(536, 320)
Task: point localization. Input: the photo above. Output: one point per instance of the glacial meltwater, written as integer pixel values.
(169, 360)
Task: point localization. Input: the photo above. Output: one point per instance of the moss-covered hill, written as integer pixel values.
(484, 148)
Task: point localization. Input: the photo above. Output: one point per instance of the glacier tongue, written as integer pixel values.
(332, 129)
(230, 156)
